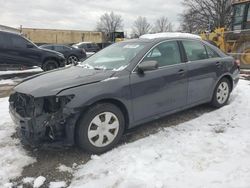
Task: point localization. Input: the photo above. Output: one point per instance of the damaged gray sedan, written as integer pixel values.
(122, 86)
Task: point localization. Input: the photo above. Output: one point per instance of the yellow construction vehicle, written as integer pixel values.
(235, 41)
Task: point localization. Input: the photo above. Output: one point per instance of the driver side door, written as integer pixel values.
(157, 92)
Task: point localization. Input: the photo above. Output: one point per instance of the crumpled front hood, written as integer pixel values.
(51, 83)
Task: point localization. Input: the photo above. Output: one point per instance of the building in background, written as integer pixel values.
(9, 29)
(56, 36)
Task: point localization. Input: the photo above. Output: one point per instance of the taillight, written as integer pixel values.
(237, 63)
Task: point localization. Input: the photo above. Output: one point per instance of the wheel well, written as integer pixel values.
(50, 58)
(229, 78)
(117, 103)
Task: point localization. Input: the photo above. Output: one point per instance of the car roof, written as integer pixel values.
(12, 33)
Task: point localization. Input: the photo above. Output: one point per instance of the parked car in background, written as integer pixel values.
(87, 46)
(120, 87)
(18, 52)
(72, 55)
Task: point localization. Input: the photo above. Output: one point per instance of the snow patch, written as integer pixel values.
(36, 69)
(28, 180)
(64, 168)
(170, 35)
(59, 184)
(212, 150)
(39, 181)
(7, 82)
(12, 156)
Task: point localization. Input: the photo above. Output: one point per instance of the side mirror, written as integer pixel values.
(30, 46)
(147, 66)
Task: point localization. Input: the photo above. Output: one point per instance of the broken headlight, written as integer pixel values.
(53, 104)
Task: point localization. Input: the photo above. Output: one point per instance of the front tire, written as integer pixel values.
(100, 128)
(221, 93)
(50, 65)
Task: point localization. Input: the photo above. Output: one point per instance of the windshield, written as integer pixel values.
(115, 57)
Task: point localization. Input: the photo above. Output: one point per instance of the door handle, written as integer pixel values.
(181, 72)
(218, 64)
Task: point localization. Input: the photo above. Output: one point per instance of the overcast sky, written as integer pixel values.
(83, 14)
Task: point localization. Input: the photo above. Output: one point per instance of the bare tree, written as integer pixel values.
(140, 27)
(109, 22)
(163, 25)
(201, 15)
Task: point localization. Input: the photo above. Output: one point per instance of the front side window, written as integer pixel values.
(165, 54)
(195, 50)
(115, 57)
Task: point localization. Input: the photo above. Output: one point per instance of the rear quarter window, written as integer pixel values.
(195, 50)
(211, 53)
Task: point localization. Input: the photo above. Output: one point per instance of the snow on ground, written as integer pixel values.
(59, 184)
(39, 181)
(12, 157)
(36, 69)
(10, 81)
(212, 151)
(64, 168)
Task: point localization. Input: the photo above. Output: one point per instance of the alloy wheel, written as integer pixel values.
(72, 60)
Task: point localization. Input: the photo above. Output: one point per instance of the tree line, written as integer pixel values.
(198, 16)
(111, 22)
(205, 15)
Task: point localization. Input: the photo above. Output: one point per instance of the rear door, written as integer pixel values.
(203, 70)
(5, 44)
(24, 52)
(161, 90)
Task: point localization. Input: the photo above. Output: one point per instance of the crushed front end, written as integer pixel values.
(43, 121)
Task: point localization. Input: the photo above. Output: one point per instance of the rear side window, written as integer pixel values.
(58, 48)
(195, 50)
(48, 47)
(166, 53)
(66, 48)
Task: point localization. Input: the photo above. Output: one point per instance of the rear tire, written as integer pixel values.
(50, 65)
(100, 129)
(72, 60)
(221, 93)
